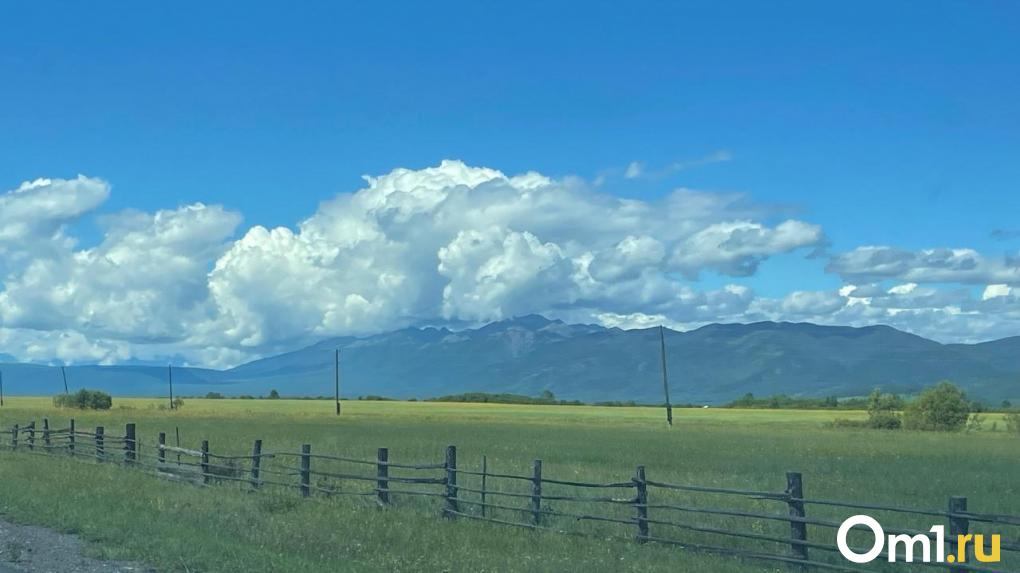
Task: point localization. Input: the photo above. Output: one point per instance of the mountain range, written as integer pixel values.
(530, 354)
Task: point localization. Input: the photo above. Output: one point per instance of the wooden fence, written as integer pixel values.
(747, 525)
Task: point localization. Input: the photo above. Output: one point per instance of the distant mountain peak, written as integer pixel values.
(526, 322)
(530, 353)
(532, 321)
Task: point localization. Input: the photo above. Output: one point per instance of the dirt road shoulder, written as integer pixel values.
(32, 549)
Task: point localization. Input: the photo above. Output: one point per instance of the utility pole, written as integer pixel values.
(336, 372)
(665, 380)
(1, 387)
(170, 377)
(63, 373)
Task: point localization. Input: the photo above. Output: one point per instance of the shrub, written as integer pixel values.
(943, 408)
(885, 421)
(976, 423)
(84, 400)
(1013, 423)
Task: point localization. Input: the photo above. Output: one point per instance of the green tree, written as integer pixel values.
(883, 410)
(942, 408)
(274, 395)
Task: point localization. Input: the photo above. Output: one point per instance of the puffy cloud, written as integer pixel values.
(498, 273)
(145, 281)
(924, 266)
(811, 303)
(948, 315)
(63, 347)
(464, 244)
(33, 216)
(683, 309)
(737, 247)
(996, 291)
(627, 258)
(452, 243)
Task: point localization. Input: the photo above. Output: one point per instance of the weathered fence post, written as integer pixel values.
(958, 525)
(161, 454)
(71, 437)
(382, 473)
(256, 463)
(450, 507)
(205, 462)
(130, 445)
(798, 528)
(536, 492)
(31, 434)
(46, 434)
(306, 470)
(14, 437)
(100, 450)
(485, 473)
(641, 501)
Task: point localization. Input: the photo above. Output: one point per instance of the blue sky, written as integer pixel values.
(885, 125)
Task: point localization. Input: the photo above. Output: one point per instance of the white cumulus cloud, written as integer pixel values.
(925, 266)
(450, 244)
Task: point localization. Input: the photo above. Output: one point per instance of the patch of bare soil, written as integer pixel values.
(32, 549)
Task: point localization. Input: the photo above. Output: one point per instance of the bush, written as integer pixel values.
(943, 408)
(84, 400)
(1013, 423)
(213, 396)
(976, 423)
(885, 421)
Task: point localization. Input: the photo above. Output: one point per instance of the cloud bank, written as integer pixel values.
(450, 244)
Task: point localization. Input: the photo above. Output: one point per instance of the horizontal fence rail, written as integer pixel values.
(768, 526)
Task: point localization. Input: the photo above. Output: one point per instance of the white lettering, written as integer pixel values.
(876, 547)
(908, 546)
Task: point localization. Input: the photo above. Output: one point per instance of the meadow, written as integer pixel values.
(180, 527)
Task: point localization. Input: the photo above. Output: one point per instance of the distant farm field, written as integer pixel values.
(179, 527)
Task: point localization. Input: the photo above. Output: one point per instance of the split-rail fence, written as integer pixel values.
(637, 508)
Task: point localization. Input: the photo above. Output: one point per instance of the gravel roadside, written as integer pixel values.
(32, 549)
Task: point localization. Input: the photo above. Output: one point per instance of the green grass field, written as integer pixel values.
(180, 527)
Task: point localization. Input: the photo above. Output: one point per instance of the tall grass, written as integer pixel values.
(180, 527)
